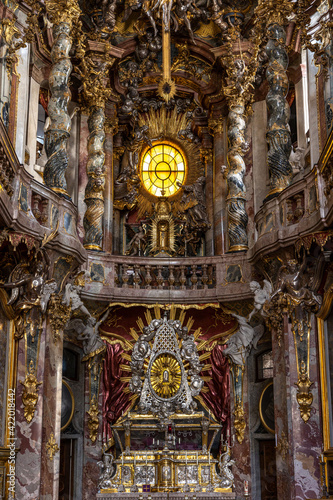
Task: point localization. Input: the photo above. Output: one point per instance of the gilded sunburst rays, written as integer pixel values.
(165, 376)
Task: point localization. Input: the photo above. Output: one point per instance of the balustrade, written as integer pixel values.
(165, 277)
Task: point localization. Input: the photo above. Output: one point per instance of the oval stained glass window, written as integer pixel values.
(163, 167)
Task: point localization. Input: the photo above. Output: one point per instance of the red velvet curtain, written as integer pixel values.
(218, 397)
(115, 401)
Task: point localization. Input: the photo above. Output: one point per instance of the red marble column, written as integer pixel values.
(298, 443)
(51, 415)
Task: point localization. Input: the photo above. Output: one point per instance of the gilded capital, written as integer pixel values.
(215, 126)
(63, 11)
(275, 12)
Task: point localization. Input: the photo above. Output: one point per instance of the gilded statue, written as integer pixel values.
(136, 5)
(291, 282)
(29, 284)
(127, 183)
(137, 245)
(193, 203)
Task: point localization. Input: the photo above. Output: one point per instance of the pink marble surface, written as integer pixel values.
(51, 414)
(92, 451)
(83, 178)
(241, 451)
(248, 180)
(29, 436)
(298, 473)
(220, 195)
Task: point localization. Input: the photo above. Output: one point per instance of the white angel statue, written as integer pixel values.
(261, 295)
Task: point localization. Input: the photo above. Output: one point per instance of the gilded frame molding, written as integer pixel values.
(321, 318)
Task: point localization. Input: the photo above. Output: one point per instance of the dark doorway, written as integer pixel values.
(66, 476)
(267, 470)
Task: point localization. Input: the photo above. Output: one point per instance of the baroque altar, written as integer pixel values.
(166, 444)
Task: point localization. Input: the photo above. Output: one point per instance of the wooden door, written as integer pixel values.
(66, 476)
(268, 470)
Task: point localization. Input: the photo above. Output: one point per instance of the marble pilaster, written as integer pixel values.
(298, 451)
(32, 124)
(259, 153)
(108, 193)
(219, 188)
(92, 451)
(209, 235)
(73, 152)
(313, 111)
(82, 174)
(241, 451)
(22, 101)
(29, 435)
(51, 415)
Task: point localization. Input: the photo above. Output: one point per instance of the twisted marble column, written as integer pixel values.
(278, 132)
(94, 193)
(236, 198)
(62, 13)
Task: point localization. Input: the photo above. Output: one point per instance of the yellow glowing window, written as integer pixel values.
(162, 167)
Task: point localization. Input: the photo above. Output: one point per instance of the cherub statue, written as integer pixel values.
(261, 295)
(241, 343)
(225, 475)
(296, 160)
(107, 471)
